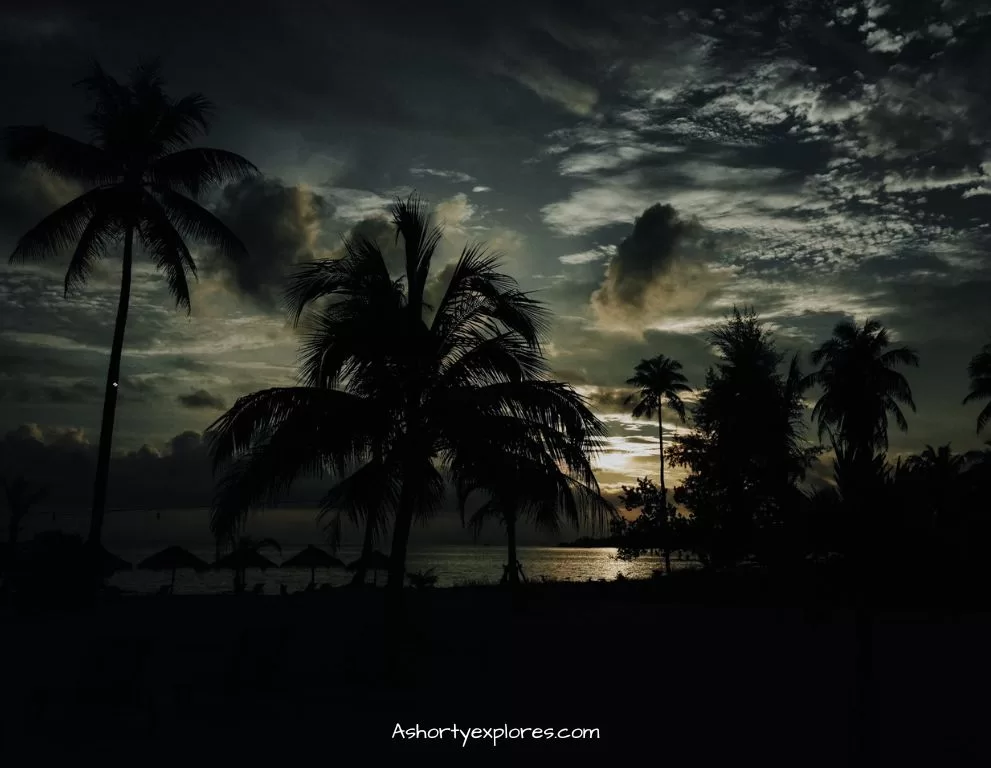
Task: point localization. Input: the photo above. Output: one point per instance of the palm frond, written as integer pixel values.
(60, 155)
(194, 170)
(182, 121)
(194, 222)
(61, 229)
(420, 239)
(101, 232)
(167, 248)
(321, 421)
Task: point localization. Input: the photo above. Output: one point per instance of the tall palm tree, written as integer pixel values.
(860, 386)
(860, 390)
(542, 478)
(424, 384)
(141, 180)
(979, 371)
(660, 380)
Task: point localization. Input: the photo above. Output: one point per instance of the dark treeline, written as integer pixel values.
(744, 499)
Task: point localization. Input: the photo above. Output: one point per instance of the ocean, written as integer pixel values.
(453, 565)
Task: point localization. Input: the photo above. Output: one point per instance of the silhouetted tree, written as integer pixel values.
(860, 390)
(657, 529)
(860, 386)
(142, 180)
(544, 475)
(979, 371)
(747, 451)
(430, 384)
(659, 380)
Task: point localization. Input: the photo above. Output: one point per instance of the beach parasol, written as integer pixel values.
(241, 559)
(377, 561)
(110, 563)
(171, 559)
(244, 557)
(313, 558)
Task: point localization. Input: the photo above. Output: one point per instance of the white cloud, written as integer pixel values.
(455, 176)
(585, 257)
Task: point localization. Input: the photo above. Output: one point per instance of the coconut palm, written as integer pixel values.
(541, 478)
(660, 380)
(382, 367)
(141, 181)
(860, 386)
(979, 371)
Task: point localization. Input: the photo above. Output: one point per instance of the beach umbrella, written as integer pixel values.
(171, 559)
(377, 561)
(313, 558)
(111, 564)
(241, 559)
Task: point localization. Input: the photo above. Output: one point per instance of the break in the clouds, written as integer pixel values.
(643, 167)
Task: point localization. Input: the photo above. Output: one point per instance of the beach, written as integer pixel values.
(238, 676)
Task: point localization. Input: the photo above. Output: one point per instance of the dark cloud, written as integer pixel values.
(609, 399)
(280, 226)
(659, 268)
(201, 399)
(176, 475)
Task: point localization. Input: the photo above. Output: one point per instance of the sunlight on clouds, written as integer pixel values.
(454, 213)
(593, 208)
(585, 257)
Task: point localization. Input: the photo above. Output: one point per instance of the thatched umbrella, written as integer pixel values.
(171, 559)
(377, 561)
(313, 558)
(240, 560)
(110, 563)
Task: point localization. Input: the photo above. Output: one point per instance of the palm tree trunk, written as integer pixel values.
(664, 490)
(110, 397)
(361, 574)
(400, 540)
(514, 576)
(660, 435)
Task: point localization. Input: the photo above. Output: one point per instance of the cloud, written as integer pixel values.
(454, 213)
(455, 176)
(586, 257)
(201, 399)
(481, 189)
(280, 225)
(172, 475)
(660, 269)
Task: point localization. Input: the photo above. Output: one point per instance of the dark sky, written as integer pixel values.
(817, 160)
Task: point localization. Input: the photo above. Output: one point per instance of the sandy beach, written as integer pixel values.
(239, 676)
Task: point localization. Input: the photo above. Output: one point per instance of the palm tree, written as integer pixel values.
(660, 380)
(979, 371)
(861, 387)
(142, 180)
(383, 371)
(544, 477)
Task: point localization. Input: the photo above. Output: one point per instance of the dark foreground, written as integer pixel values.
(264, 679)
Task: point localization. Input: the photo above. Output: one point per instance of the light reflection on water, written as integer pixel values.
(452, 565)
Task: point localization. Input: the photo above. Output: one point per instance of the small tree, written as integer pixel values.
(657, 530)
